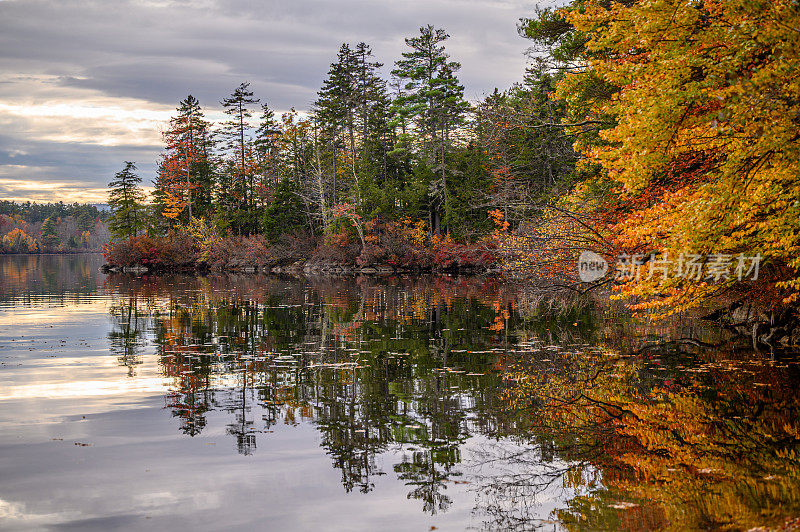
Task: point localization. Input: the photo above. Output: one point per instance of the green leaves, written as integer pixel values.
(126, 200)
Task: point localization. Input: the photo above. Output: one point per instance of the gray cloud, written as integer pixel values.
(149, 54)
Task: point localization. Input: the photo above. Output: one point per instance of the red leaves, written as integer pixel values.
(173, 250)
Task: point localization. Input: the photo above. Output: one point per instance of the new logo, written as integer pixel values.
(591, 266)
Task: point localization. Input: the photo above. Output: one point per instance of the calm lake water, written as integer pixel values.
(396, 403)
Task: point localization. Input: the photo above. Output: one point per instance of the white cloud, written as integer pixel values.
(107, 124)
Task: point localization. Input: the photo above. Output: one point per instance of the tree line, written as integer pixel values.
(370, 151)
(28, 227)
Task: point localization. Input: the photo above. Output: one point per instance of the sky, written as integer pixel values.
(87, 85)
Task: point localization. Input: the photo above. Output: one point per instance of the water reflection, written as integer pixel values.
(704, 441)
(371, 365)
(483, 404)
(56, 279)
(425, 365)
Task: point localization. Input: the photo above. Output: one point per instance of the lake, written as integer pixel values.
(396, 402)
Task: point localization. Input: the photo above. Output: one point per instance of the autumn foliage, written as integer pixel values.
(704, 157)
(662, 443)
(173, 251)
(17, 241)
(644, 128)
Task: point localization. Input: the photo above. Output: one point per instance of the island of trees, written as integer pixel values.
(650, 130)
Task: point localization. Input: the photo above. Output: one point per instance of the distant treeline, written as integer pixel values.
(51, 227)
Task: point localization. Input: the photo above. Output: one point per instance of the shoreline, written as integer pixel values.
(302, 268)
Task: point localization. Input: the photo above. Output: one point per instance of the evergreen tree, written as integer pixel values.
(373, 109)
(85, 222)
(49, 237)
(267, 145)
(185, 177)
(336, 113)
(236, 136)
(352, 125)
(435, 101)
(285, 214)
(126, 200)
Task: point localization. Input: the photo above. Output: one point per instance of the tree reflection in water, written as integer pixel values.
(692, 442)
(524, 398)
(127, 338)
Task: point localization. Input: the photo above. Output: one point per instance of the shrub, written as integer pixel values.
(371, 255)
(338, 248)
(284, 214)
(293, 247)
(176, 250)
(236, 252)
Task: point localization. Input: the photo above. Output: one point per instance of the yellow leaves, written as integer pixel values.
(671, 446)
(204, 234)
(706, 144)
(417, 231)
(500, 224)
(175, 201)
(18, 241)
(547, 246)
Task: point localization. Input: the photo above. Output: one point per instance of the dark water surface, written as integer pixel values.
(395, 403)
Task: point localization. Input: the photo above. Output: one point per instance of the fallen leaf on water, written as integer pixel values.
(707, 470)
(623, 505)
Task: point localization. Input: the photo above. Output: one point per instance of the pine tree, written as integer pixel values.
(267, 145)
(49, 237)
(85, 222)
(185, 180)
(399, 116)
(285, 214)
(126, 199)
(372, 108)
(435, 99)
(336, 114)
(352, 125)
(236, 135)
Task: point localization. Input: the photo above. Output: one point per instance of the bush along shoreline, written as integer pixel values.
(397, 247)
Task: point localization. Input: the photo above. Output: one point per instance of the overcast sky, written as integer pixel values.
(86, 85)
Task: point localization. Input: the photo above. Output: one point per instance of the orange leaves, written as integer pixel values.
(501, 174)
(186, 141)
(174, 199)
(345, 210)
(546, 247)
(501, 315)
(500, 224)
(705, 145)
(18, 241)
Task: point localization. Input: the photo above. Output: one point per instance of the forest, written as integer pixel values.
(51, 227)
(652, 130)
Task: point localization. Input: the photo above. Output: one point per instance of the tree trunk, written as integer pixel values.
(320, 182)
